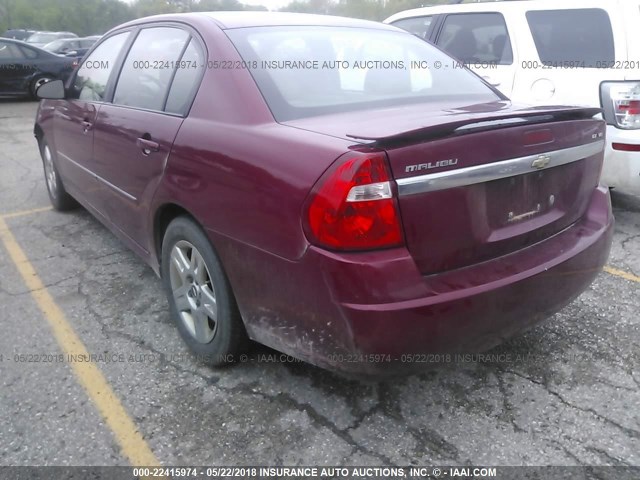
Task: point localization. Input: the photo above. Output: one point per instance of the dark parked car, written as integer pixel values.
(297, 180)
(23, 68)
(40, 39)
(66, 46)
(18, 33)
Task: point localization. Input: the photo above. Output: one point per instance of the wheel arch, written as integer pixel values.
(163, 216)
(38, 132)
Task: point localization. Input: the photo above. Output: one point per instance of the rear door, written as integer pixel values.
(134, 134)
(482, 41)
(568, 53)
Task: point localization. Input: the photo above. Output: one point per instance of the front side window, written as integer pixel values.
(477, 38)
(581, 37)
(417, 25)
(149, 68)
(91, 81)
(307, 71)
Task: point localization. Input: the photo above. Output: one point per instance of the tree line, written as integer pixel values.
(91, 17)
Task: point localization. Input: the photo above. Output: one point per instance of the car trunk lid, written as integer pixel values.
(483, 182)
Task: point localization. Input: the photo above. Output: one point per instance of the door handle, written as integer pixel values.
(147, 145)
(87, 125)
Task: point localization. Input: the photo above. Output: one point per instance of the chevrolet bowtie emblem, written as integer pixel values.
(541, 162)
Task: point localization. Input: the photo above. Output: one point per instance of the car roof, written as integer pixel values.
(15, 40)
(228, 20)
(54, 31)
(503, 6)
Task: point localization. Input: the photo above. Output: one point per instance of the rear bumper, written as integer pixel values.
(621, 169)
(392, 313)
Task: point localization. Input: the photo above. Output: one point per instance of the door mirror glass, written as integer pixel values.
(53, 90)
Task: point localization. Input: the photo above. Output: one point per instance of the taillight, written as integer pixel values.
(352, 207)
(621, 104)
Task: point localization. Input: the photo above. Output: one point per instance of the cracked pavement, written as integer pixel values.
(568, 392)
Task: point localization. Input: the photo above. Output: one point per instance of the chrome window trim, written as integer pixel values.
(460, 177)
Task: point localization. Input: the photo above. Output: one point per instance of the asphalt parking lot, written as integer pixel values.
(564, 393)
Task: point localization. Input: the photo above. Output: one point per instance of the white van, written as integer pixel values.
(583, 52)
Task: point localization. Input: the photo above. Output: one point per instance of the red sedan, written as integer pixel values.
(337, 189)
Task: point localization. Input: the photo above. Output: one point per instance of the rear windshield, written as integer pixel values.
(54, 45)
(308, 71)
(580, 37)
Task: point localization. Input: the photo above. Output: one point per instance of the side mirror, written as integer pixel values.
(53, 90)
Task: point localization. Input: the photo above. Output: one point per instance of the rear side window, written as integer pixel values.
(186, 80)
(417, 25)
(149, 68)
(582, 37)
(477, 37)
(9, 51)
(28, 52)
(91, 82)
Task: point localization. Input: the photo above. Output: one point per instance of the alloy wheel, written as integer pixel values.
(50, 171)
(193, 292)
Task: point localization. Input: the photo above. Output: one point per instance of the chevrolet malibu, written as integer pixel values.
(336, 189)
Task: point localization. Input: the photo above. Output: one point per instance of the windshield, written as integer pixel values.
(307, 71)
(42, 38)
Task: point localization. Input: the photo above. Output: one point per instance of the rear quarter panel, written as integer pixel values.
(238, 171)
(245, 179)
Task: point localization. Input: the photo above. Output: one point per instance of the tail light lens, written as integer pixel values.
(352, 207)
(621, 104)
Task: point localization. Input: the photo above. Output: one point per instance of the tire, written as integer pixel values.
(58, 196)
(200, 298)
(36, 82)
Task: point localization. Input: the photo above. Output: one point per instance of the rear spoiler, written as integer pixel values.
(472, 123)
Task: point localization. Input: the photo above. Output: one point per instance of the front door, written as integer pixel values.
(75, 118)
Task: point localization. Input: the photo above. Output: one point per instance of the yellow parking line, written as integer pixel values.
(25, 212)
(621, 273)
(132, 444)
